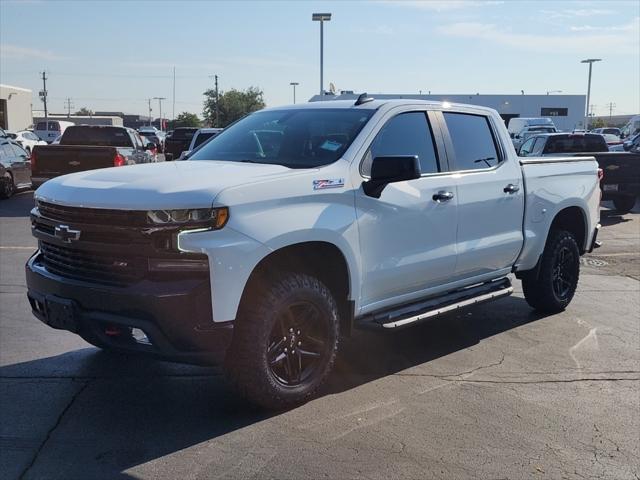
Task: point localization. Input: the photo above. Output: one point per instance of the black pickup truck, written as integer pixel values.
(178, 141)
(621, 180)
(88, 147)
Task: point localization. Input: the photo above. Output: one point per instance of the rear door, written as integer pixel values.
(21, 165)
(407, 236)
(490, 195)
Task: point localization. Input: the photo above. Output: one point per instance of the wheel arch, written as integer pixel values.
(321, 259)
(574, 220)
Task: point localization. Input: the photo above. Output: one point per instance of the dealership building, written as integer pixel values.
(15, 108)
(567, 111)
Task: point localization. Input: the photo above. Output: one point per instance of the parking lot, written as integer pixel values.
(495, 392)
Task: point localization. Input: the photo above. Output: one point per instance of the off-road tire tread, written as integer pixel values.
(243, 368)
(538, 292)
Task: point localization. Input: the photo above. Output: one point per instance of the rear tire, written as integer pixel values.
(554, 287)
(285, 341)
(7, 186)
(624, 204)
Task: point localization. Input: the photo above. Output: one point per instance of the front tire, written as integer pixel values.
(554, 287)
(7, 186)
(285, 341)
(624, 204)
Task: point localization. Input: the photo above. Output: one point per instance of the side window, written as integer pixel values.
(54, 126)
(538, 146)
(19, 151)
(473, 142)
(137, 141)
(406, 134)
(526, 148)
(41, 126)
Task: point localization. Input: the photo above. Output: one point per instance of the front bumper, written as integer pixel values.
(175, 315)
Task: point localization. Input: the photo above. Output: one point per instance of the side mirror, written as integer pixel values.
(184, 155)
(386, 170)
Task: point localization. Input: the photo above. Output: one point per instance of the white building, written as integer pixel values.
(15, 108)
(567, 111)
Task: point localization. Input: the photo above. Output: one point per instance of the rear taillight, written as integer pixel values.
(600, 174)
(119, 160)
(33, 161)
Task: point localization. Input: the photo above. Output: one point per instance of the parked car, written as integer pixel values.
(563, 144)
(629, 144)
(358, 215)
(631, 128)
(150, 146)
(612, 140)
(155, 135)
(621, 182)
(26, 139)
(178, 142)
(87, 147)
(607, 130)
(15, 167)
(519, 138)
(49, 130)
(200, 137)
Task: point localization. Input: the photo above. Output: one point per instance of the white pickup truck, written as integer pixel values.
(299, 223)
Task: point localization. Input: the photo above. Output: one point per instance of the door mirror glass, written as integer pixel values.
(391, 169)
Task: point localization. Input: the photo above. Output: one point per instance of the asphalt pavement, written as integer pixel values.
(495, 392)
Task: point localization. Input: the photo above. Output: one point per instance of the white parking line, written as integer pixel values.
(18, 248)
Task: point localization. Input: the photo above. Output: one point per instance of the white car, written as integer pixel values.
(297, 224)
(199, 138)
(27, 139)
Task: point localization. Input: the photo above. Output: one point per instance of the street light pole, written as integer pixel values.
(160, 106)
(293, 84)
(590, 61)
(321, 17)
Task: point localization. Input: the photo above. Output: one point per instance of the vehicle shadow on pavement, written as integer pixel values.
(371, 355)
(609, 218)
(19, 205)
(120, 411)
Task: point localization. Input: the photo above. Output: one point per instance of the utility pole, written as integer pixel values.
(69, 106)
(150, 119)
(43, 94)
(160, 105)
(611, 106)
(173, 108)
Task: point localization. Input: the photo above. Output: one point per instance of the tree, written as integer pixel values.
(185, 119)
(597, 123)
(233, 104)
(85, 112)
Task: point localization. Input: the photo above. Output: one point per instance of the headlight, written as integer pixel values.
(215, 218)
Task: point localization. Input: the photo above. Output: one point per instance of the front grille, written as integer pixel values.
(109, 268)
(95, 216)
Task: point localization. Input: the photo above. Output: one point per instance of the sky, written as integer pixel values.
(115, 55)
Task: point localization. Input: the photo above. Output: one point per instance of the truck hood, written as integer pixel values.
(165, 185)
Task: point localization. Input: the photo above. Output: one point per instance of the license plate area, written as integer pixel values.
(61, 313)
(613, 187)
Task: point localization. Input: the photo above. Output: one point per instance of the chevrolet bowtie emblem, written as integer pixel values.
(66, 234)
(74, 163)
(612, 167)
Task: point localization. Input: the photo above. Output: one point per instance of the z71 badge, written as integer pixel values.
(329, 183)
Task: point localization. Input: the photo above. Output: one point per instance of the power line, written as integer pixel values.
(43, 93)
(69, 106)
(611, 106)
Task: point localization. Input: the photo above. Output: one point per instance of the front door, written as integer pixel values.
(407, 236)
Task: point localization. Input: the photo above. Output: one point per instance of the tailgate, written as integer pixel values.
(620, 168)
(54, 160)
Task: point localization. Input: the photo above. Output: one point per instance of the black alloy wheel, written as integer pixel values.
(298, 344)
(565, 273)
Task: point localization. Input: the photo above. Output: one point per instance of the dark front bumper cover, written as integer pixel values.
(175, 315)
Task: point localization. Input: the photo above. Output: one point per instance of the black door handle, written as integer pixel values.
(442, 196)
(511, 188)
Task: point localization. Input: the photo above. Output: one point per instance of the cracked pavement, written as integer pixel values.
(494, 392)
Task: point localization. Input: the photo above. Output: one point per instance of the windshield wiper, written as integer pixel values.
(485, 160)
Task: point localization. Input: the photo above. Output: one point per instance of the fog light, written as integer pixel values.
(140, 337)
(178, 265)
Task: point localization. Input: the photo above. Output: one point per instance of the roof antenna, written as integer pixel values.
(363, 98)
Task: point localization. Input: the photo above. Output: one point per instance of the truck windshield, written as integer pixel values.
(297, 138)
